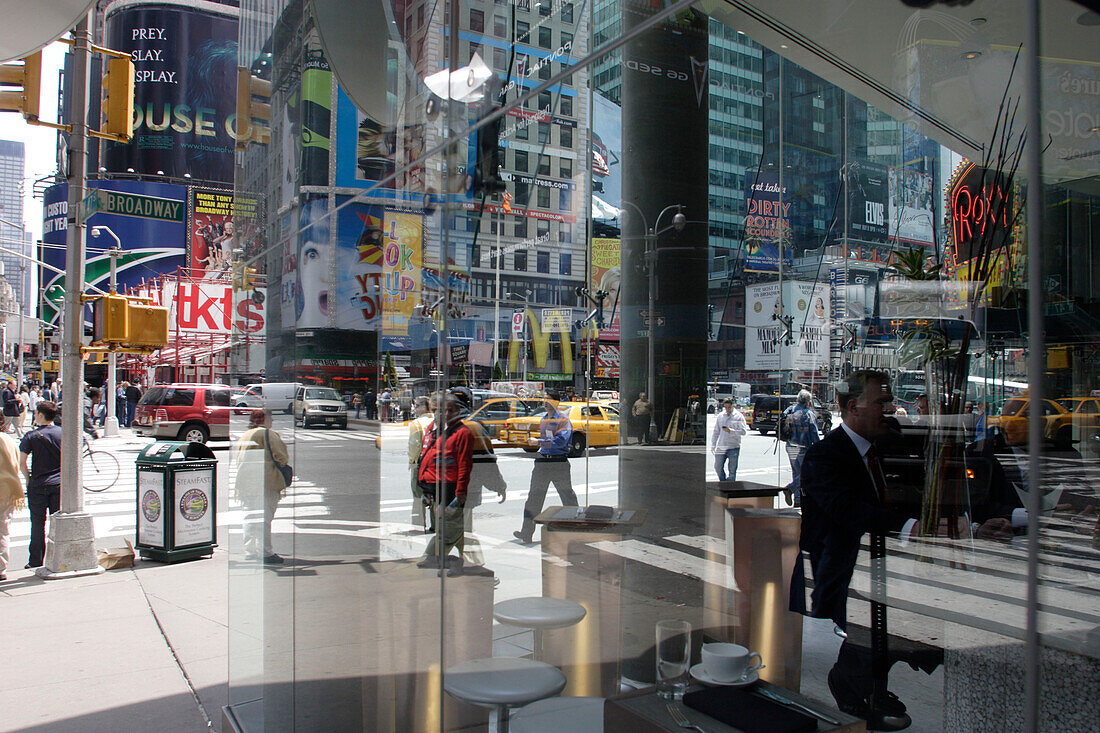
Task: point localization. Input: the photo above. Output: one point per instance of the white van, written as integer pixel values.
(275, 395)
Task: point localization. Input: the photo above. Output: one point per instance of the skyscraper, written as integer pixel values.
(12, 234)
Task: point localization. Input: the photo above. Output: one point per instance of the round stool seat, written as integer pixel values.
(537, 612)
(502, 681)
(574, 714)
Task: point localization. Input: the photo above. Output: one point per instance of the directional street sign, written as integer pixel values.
(659, 317)
(145, 207)
(89, 205)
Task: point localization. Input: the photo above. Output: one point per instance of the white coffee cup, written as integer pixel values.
(725, 662)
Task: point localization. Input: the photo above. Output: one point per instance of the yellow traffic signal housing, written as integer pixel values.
(111, 322)
(248, 109)
(249, 279)
(117, 103)
(51, 365)
(26, 75)
(148, 326)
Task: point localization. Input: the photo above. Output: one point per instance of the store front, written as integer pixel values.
(831, 198)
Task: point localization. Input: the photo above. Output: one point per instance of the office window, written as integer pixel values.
(565, 264)
(544, 132)
(477, 21)
(544, 72)
(565, 168)
(543, 197)
(523, 193)
(566, 42)
(567, 13)
(523, 31)
(420, 17)
(520, 262)
(542, 262)
(500, 26)
(545, 102)
(523, 4)
(565, 106)
(521, 228)
(521, 129)
(500, 60)
(544, 165)
(565, 233)
(542, 229)
(544, 7)
(546, 37)
(565, 135)
(521, 161)
(475, 256)
(565, 199)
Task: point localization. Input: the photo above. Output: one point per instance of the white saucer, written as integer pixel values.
(701, 675)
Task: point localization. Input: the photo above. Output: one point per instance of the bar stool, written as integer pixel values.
(573, 714)
(538, 614)
(502, 683)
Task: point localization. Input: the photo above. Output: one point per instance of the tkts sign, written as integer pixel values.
(207, 307)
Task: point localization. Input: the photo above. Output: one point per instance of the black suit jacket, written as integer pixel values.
(839, 505)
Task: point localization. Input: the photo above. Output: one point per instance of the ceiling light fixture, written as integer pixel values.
(971, 55)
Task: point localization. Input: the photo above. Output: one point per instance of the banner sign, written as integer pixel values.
(806, 304)
(767, 225)
(150, 526)
(605, 274)
(194, 507)
(219, 223)
(912, 219)
(185, 86)
(867, 187)
(607, 361)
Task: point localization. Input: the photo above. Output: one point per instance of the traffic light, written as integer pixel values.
(117, 103)
(249, 86)
(27, 75)
(111, 322)
(148, 325)
(249, 279)
(486, 177)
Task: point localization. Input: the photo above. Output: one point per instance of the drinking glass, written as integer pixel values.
(673, 657)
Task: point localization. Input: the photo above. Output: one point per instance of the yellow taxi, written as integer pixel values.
(1057, 422)
(594, 424)
(494, 412)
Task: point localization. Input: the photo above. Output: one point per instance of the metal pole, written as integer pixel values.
(22, 308)
(496, 305)
(71, 547)
(110, 423)
(526, 316)
(651, 267)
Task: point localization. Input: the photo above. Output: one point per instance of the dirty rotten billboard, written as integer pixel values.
(185, 82)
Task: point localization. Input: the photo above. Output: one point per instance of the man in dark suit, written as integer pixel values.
(843, 492)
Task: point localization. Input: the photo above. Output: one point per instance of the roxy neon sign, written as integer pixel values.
(978, 203)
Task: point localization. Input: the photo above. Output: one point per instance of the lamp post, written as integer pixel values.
(526, 299)
(110, 423)
(678, 223)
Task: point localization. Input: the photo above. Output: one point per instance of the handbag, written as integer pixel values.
(285, 469)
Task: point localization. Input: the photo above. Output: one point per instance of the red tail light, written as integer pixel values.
(161, 415)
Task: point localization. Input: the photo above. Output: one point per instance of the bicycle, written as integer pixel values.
(100, 469)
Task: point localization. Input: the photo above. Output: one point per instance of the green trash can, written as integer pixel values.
(176, 501)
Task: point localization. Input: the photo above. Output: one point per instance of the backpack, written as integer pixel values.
(786, 425)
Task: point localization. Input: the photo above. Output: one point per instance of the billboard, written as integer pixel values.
(313, 266)
(185, 87)
(807, 304)
(151, 246)
(911, 208)
(605, 274)
(867, 195)
(218, 223)
(359, 269)
(368, 151)
(767, 225)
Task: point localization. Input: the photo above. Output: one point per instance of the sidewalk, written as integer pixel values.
(142, 649)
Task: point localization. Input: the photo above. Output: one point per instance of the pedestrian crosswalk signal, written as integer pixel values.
(25, 78)
(253, 103)
(117, 102)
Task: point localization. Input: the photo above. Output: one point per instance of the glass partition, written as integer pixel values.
(584, 316)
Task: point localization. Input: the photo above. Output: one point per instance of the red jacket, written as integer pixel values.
(457, 445)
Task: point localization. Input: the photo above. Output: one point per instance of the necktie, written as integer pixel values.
(878, 478)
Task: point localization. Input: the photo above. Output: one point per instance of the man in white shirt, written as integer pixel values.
(725, 441)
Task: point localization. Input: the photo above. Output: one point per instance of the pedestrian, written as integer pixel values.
(11, 406)
(357, 403)
(642, 412)
(444, 470)
(843, 492)
(484, 474)
(35, 396)
(802, 423)
(42, 446)
(551, 465)
(424, 416)
(120, 403)
(725, 440)
(384, 402)
(133, 396)
(24, 405)
(91, 397)
(370, 401)
(260, 455)
(12, 497)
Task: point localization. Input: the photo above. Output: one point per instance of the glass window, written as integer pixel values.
(521, 227)
(500, 60)
(500, 25)
(542, 229)
(542, 262)
(544, 71)
(544, 132)
(477, 21)
(544, 7)
(217, 397)
(175, 397)
(545, 102)
(543, 197)
(546, 37)
(567, 13)
(565, 167)
(565, 105)
(565, 199)
(565, 232)
(544, 165)
(523, 31)
(520, 262)
(523, 193)
(521, 128)
(565, 264)
(521, 161)
(565, 134)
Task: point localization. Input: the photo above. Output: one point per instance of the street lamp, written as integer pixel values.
(110, 423)
(679, 221)
(526, 300)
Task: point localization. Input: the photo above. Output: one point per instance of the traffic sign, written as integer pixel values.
(658, 317)
(517, 322)
(145, 207)
(89, 205)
